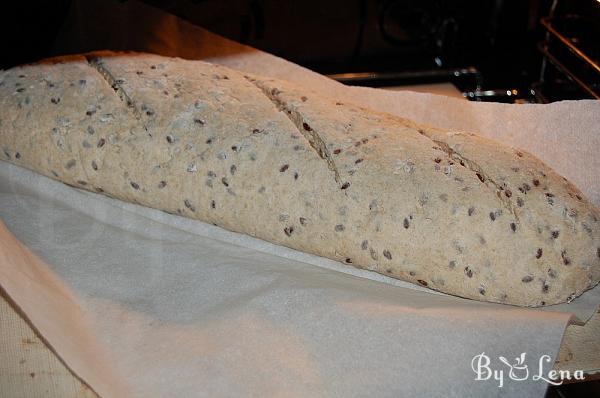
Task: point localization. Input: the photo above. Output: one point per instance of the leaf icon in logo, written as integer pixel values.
(519, 370)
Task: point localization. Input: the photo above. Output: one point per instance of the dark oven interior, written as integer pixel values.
(490, 50)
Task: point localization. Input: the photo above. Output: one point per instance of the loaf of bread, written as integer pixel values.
(447, 210)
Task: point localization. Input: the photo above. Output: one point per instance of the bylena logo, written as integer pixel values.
(519, 370)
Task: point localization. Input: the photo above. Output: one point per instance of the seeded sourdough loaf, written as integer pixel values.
(448, 210)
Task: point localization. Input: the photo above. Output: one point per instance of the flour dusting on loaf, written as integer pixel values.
(451, 211)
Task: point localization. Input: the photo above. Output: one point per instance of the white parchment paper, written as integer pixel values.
(182, 308)
(176, 307)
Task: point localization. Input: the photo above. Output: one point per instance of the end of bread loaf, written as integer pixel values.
(483, 220)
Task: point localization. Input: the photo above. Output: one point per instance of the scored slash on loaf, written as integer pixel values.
(451, 211)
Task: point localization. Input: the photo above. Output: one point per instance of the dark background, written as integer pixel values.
(420, 39)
